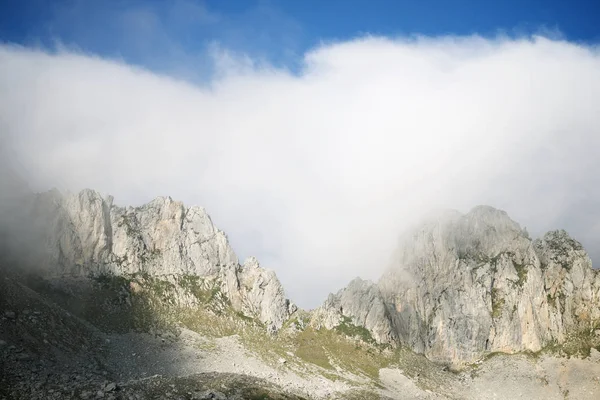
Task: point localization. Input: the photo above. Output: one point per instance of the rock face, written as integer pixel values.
(85, 234)
(361, 301)
(256, 291)
(88, 234)
(466, 285)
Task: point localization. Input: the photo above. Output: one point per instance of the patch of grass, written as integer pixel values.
(130, 224)
(497, 303)
(110, 303)
(492, 354)
(577, 344)
(299, 321)
(580, 343)
(347, 328)
(494, 262)
(310, 347)
(329, 348)
(111, 282)
(147, 303)
(162, 289)
(244, 317)
(206, 322)
(522, 273)
(204, 290)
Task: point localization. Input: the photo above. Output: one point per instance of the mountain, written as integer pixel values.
(463, 286)
(101, 301)
(86, 235)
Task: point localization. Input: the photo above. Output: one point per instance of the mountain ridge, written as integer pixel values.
(462, 288)
(86, 234)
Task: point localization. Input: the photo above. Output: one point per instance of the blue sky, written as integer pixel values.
(174, 36)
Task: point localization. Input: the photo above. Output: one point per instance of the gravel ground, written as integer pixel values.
(141, 355)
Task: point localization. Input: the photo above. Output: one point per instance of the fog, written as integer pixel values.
(317, 171)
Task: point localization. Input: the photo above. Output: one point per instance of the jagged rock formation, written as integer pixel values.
(466, 285)
(362, 302)
(86, 235)
(257, 292)
(461, 286)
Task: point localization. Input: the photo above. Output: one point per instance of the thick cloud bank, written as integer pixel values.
(317, 172)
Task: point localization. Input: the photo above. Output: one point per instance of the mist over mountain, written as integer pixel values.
(317, 171)
(299, 200)
(100, 300)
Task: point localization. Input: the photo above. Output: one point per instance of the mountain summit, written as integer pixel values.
(463, 286)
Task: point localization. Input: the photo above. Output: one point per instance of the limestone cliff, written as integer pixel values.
(461, 286)
(85, 234)
(466, 285)
(362, 303)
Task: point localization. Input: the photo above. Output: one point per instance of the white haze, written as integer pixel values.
(316, 173)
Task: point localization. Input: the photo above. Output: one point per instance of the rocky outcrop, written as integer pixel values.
(361, 302)
(466, 285)
(257, 292)
(85, 234)
(571, 286)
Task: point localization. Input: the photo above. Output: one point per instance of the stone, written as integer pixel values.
(209, 394)
(110, 387)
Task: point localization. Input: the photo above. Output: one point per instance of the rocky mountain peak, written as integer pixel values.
(558, 244)
(488, 221)
(251, 262)
(85, 234)
(461, 286)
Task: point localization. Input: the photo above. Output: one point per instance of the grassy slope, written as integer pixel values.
(348, 353)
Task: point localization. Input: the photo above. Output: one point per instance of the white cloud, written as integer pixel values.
(317, 173)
